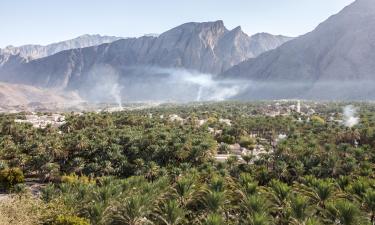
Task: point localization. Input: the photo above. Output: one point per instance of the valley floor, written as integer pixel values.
(271, 162)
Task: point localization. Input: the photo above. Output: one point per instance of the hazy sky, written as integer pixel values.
(47, 21)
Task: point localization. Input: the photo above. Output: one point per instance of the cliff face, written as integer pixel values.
(339, 49)
(206, 47)
(335, 61)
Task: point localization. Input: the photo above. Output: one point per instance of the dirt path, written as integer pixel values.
(4, 197)
(33, 186)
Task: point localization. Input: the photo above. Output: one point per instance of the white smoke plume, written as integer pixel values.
(116, 93)
(103, 85)
(350, 116)
(207, 88)
(147, 83)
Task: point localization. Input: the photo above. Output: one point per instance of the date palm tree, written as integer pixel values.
(257, 219)
(247, 157)
(300, 209)
(170, 213)
(214, 219)
(319, 192)
(278, 194)
(185, 190)
(133, 210)
(369, 203)
(343, 212)
(152, 171)
(214, 201)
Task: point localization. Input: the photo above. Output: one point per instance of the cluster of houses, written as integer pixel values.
(238, 151)
(200, 122)
(285, 108)
(259, 149)
(234, 149)
(42, 121)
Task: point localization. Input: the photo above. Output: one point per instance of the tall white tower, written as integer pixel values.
(298, 106)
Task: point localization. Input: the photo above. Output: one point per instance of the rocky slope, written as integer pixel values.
(23, 95)
(206, 47)
(336, 60)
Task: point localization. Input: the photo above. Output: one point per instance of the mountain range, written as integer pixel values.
(206, 47)
(138, 64)
(206, 61)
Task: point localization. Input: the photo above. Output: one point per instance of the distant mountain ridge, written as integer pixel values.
(31, 52)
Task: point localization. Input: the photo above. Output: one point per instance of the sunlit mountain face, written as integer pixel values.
(177, 65)
(335, 61)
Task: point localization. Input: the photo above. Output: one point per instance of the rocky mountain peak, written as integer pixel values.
(261, 35)
(237, 33)
(214, 28)
(216, 25)
(237, 29)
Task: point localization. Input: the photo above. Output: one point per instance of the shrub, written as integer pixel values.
(20, 188)
(223, 148)
(9, 177)
(247, 142)
(318, 120)
(75, 179)
(70, 220)
(70, 179)
(228, 139)
(48, 192)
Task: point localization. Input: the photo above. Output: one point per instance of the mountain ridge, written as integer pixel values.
(207, 47)
(31, 52)
(311, 47)
(334, 60)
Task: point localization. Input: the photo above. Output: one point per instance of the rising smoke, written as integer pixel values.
(205, 86)
(350, 116)
(115, 91)
(102, 85)
(154, 84)
(145, 84)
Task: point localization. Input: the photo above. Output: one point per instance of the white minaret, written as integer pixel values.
(298, 106)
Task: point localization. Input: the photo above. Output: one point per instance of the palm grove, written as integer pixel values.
(139, 167)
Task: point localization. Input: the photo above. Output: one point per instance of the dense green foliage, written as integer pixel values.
(139, 167)
(9, 177)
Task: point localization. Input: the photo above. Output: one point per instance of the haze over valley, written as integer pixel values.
(204, 62)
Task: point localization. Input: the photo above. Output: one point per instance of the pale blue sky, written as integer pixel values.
(47, 21)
